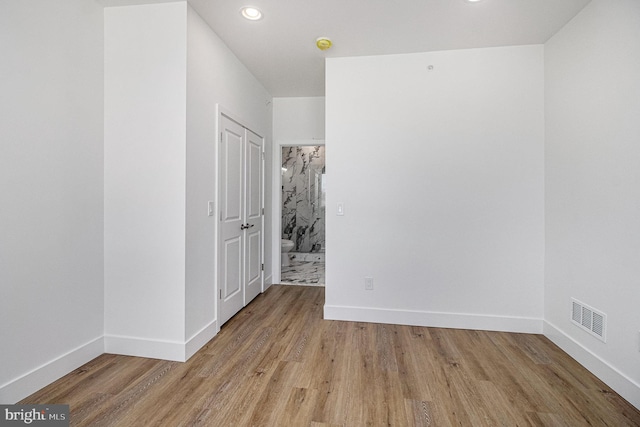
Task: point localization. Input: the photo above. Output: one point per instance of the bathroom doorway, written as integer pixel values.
(302, 215)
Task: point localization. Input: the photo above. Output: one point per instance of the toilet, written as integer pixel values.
(285, 248)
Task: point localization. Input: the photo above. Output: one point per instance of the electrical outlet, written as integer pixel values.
(368, 283)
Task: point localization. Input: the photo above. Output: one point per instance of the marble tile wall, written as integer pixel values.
(303, 202)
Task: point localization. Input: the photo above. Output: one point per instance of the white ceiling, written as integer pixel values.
(280, 48)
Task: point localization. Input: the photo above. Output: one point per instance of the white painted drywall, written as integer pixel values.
(441, 176)
(214, 76)
(168, 69)
(145, 172)
(51, 273)
(298, 119)
(73, 202)
(592, 111)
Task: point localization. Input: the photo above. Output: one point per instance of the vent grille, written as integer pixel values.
(589, 319)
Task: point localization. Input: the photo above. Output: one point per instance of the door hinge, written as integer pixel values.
(262, 211)
(220, 293)
(220, 136)
(262, 267)
(220, 216)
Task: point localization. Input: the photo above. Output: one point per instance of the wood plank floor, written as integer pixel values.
(277, 363)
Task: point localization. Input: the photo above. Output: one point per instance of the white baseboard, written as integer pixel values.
(434, 319)
(200, 338)
(620, 383)
(21, 387)
(159, 349)
(268, 281)
(142, 347)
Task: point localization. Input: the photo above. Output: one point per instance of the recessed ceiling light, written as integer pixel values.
(251, 13)
(472, 1)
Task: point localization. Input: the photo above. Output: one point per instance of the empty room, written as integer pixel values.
(459, 179)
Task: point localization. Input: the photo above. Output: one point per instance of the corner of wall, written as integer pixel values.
(27, 384)
(608, 374)
(268, 281)
(200, 339)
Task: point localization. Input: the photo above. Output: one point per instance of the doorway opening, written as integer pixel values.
(303, 212)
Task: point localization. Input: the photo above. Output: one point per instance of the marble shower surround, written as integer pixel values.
(303, 207)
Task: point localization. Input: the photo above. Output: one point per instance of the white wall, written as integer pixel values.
(214, 76)
(296, 121)
(592, 104)
(144, 172)
(167, 69)
(441, 176)
(51, 123)
(72, 204)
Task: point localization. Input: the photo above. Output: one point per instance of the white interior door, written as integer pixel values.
(253, 216)
(241, 217)
(231, 251)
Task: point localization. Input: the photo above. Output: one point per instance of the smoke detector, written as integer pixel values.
(323, 43)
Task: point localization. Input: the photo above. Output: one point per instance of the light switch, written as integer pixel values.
(210, 206)
(340, 209)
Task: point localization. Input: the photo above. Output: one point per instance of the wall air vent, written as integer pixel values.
(589, 319)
